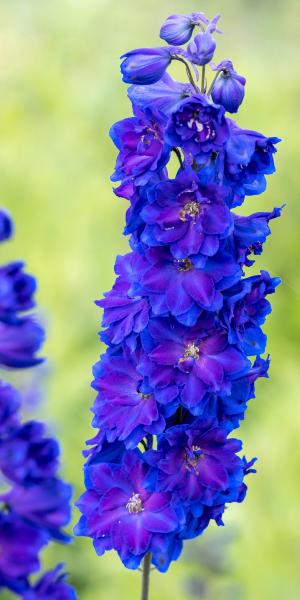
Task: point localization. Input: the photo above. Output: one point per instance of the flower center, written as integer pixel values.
(204, 130)
(192, 458)
(151, 133)
(190, 209)
(183, 264)
(134, 504)
(144, 396)
(191, 351)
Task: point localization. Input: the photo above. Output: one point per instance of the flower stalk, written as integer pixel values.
(183, 321)
(146, 577)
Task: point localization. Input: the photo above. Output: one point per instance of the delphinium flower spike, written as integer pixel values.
(34, 501)
(183, 321)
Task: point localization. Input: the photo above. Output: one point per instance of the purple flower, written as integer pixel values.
(20, 340)
(10, 402)
(198, 461)
(6, 225)
(249, 156)
(183, 316)
(178, 286)
(178, 29)
(16, 290)
(164, 96)
(142, 149)
(245, 309)
(36, 504)
(201, 49)
(127, 408)
(145, 65)
(229, 87)
(44, 505)
(51, 586)
(26, 455)
(118, 512)
(181, 216)
(251, 232)
(200, 359)
(197, 126)
(124, 316)
(20, 544)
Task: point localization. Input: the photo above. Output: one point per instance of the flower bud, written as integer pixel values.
(178, 29)
(201, 49)
(145, 65)
(229, 88)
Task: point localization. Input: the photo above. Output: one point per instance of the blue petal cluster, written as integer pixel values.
(183, 321)
(34, 501)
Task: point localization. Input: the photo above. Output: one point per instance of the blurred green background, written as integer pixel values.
(60, 92)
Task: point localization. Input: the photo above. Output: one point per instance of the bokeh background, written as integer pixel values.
(60, 92)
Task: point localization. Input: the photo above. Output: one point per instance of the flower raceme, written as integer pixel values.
(183, 321)
(35, 502)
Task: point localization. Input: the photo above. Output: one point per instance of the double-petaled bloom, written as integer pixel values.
(183, 321)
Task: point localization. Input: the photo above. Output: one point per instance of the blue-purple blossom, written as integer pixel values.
(143, 152)
(145, 65)
(51, 586)
(181, 215)
(35, 503)
(197, 125)
(164, 96)
(229, 87)
(6, 225)
(20, 340)
(20, 545)
(183, 323)
(198, 462)
(201, 49)
(27, 455)
(119, 512)
(16, 290)
(178, 29)
(10, 402)
(240, 167)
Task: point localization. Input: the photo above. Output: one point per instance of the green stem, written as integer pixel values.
(189, 72)
(203, 81)
(213, 82)
(146, 577)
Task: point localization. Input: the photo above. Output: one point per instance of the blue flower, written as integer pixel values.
(201, 49)
(16, 289)
(164, 96)
(229, 87)
(183, 323)
(197, 125)
(142, 149)
(6, 225)
(20, 544)
(120, 513)
(51, 586)
(178, 29)
(36, 503)
(145, 65)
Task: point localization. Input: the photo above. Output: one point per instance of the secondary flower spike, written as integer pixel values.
(35, 502)
(183, 323)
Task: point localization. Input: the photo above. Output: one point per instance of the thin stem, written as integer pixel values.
(213, 82)
(188, 70)
(203, 80)
(177, 152)
(146, 577)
